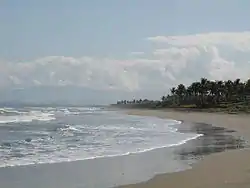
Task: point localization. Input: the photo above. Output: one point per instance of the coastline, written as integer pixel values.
(142, 166)
(229, 169)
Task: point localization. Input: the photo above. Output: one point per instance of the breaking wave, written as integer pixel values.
(80, 134)
(13, 116)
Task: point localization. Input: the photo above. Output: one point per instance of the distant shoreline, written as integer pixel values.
(177, 109)
(232, 96)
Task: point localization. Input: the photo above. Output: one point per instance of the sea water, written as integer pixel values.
(52, 135)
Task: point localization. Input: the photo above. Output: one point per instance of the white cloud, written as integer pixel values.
(233, 39)
(183, 59)
(85, 71)
(212, 55)
(137, 53)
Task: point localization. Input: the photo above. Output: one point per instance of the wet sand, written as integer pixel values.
(226, 169)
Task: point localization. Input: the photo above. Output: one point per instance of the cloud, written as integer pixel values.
(86, 72)
(180, 59)
(137, 53)
(237, 39)
(212, 55)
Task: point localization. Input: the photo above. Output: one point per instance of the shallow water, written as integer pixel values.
(49, 135)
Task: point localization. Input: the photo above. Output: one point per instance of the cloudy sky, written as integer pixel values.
(140, 47)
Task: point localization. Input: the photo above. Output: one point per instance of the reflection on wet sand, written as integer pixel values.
(214, 139)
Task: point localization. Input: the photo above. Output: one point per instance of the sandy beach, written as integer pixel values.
(229, 169)
(157, 167)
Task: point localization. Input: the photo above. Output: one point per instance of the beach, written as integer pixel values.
(227, 169)
(95, 147)
(189, 150)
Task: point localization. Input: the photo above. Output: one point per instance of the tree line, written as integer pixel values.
(202, 94)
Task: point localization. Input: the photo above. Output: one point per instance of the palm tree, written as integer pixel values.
(236, 89)
(180, 92)
(229, 90)
(173, 92)
(204, 93)
(203, 90)
(219, 90)
(247, 91)
(189, 93)
(241, 91)
(163, 98)
(195, 88)
(212, 87)
(247, 87)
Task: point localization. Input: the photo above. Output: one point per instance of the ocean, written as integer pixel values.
(32, 136)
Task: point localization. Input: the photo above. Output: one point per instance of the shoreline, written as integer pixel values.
(229, 168)
(140, 167)
(219, 119)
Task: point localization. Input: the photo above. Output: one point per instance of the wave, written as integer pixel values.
(90, 108)
(17, 116)
(71, 113)
(82, 110)
(148, 149)
(9, 112)
(68, 128)
(60, 160)
(174, 122)
(54, 145)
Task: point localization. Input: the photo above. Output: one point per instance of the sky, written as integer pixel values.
(135, 46)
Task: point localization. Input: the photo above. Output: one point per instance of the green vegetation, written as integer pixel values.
(207, 95)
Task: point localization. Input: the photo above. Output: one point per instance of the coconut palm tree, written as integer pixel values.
(205, 93)
(181, 92)
(241, 91)
(204, 89)
(173, 92)
(219, 90)
(247, 87)
(163, 98)
(212, 87)
(236, 89)
(189, 94)
(229, 88)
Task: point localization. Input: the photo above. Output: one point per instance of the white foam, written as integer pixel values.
(174, 122)
(138, 136)
(69, 128)
(149, 149)
(9, 111)
(27, 117)
(66, 111)
(56, 159)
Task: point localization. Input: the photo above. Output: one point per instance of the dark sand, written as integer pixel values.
(130, 169)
